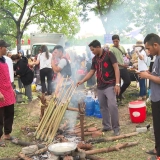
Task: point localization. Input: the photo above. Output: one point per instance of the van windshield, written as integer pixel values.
(36, 48)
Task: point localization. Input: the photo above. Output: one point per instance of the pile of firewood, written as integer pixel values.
(89, 129)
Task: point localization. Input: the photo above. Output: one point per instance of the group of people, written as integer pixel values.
(23, 69)
(109, 67)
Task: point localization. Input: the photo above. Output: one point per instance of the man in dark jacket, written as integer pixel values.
(25, 73)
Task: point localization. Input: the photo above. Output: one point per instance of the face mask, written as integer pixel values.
(138, 48)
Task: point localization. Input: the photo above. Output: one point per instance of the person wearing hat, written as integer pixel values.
(142, 66)
(7, 97)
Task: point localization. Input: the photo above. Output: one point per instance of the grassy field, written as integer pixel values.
(25, 115)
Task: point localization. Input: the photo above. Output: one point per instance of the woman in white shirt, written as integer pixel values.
(142, 66)
(44, 59)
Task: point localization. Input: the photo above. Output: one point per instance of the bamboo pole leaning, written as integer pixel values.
(55, 114)
(48, 113)
(64, 107)
(48, 126)
(55, 111)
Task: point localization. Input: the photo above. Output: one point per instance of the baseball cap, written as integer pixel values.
(4, 44)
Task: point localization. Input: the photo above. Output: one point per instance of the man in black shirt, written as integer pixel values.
(104, 63)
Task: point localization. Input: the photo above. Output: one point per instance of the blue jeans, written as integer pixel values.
(142, 87)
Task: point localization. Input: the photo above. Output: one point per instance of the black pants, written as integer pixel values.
(156, 119)
(6, 119)
(124, 74)
(46, 72)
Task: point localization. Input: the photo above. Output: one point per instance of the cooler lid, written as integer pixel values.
(137, 104)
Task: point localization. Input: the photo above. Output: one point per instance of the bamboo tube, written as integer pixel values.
(61, 116)
(53, 119)
(45, 121)
(50, 123)
(47, 127)
(47, 113)
(48, 108)
(43, 118)
(56, 119)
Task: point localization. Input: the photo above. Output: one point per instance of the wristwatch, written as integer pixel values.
(117, 84)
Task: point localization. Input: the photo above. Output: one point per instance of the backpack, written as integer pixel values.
(66, 71)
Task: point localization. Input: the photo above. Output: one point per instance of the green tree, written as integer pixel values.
(52, 16)
(146, 14)
(112, 13)
(117, 15)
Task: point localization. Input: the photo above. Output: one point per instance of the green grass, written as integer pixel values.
(24, 117)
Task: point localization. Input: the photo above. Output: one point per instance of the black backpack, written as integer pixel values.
(66, 71)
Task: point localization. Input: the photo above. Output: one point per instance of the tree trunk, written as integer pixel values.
(19, 37)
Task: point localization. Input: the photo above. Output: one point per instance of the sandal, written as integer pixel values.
(154, 158)
(151, 152)
(139, 99)
(10, 138)
(2, 144)
(144, 98)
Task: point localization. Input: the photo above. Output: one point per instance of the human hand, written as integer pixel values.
(79, 83)
(143, 75)
(125, 65)
(1, 97)
(117, 90)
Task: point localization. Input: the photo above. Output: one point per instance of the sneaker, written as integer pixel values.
(139, 98)
(116, 132)
(105, 130)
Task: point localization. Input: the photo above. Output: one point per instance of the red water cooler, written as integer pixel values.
(137, 110)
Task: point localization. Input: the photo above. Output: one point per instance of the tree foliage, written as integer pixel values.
(52, 16)
(117, 15)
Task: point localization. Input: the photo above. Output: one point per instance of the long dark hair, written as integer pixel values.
(45, 49)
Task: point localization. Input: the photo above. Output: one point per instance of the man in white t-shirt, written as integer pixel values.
(63, 66)
(10, 67)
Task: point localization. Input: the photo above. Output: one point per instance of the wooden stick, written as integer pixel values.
(110, 149)
(112, 138)
(81, 113)
(23, 156)
(72, 109)
(40, 151)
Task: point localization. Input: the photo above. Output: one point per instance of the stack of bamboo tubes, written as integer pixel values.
(55, 111)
